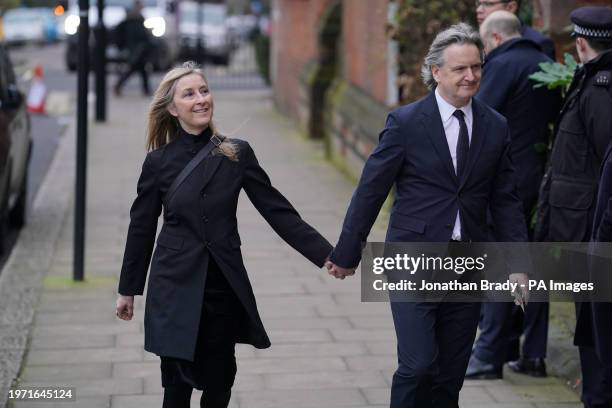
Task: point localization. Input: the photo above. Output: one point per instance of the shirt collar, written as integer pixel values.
(192, 139)
(447, 110)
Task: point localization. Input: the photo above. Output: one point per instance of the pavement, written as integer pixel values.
(328, 348)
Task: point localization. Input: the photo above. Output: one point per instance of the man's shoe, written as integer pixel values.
(535, 367)
(481, 370)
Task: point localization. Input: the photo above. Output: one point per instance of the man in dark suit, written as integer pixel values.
(448, 156)
(506, 87)
(486, 7)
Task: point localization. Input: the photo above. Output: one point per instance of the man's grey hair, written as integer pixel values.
(461, 33)
(502, 22)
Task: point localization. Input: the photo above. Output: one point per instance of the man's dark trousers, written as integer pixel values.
(433, 348)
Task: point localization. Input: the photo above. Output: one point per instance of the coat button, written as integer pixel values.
(205, 219)
(207, 244)
(203, 194)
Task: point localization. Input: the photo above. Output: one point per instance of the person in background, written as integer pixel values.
(133, 36)
(569, 190)
(506, 87)
(486, 7)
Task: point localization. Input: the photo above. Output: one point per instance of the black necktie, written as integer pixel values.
(463, 143)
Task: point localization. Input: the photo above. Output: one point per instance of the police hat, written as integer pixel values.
(592, 22)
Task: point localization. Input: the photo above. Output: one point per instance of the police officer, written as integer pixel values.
(568, 197)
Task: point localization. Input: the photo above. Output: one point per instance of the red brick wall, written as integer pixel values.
(365, 46)
(294, 42)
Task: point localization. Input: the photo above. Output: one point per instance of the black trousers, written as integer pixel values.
(433, 345)
(596, 380)
(214, 366)
(137, 63)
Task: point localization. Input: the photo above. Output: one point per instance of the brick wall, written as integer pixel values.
(365, 46)
(294, 43)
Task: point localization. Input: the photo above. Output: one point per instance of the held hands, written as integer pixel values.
(125, 307)
(337, 271)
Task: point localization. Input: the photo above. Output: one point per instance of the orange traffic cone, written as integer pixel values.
(37, 93)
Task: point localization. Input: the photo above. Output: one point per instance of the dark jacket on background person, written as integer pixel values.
(132, 35)
(199, 223)
(506, 87)
(546, 44)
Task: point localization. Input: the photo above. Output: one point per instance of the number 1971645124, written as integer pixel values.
(42, 393)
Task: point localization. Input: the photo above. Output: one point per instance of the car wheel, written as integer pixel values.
(17, 215)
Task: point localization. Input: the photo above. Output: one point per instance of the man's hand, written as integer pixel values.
(125, 307)
(523, 287)
(337, 271)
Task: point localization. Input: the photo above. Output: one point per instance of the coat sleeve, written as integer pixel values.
(604, 233)
(377, 178)
(280, 214)
(141, 232)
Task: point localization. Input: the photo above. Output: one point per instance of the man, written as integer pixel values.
(448, 156)
(486, 7)
(506, 87)
(567, 205)
(132, 35)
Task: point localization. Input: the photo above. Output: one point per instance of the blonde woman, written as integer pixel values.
(199, 299)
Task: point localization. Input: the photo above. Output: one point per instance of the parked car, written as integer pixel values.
(158, 19)
(208, 23)
(15, 149)
(30, 25)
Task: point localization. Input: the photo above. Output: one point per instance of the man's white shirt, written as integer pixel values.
(451, 130)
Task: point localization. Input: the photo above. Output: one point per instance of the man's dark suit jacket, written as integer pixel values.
(200, 221)
(414, 155)
(506, 87)
(546, 44)
(602, 225)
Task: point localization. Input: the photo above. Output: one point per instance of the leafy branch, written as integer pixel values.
(554, 74)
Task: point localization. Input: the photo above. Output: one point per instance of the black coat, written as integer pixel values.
(582, 134)
(201, 222)
(506, 87)
(602, 224)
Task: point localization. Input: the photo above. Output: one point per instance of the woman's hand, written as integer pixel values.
(125, 307)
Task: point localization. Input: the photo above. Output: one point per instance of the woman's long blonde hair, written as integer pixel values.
(163, 127)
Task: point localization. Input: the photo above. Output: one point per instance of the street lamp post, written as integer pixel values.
(201, 40)
(100, 35)
(81, 148)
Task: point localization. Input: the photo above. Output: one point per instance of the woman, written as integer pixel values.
(199, 299)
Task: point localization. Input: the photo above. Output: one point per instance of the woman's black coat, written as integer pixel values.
(201, 222)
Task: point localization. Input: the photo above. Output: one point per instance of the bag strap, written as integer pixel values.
(215, 141)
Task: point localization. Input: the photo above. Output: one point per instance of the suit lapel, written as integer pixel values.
(479, 127)
(430, 117)
(211, 165)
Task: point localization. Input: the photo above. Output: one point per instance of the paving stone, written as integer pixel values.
(280, 336)
(377, 395)
(75, 318)
(79, 402)
(360, 363)
(375, 322)
(362, 334)
(291, 365)
(300, 398)
(85, 329)
(101, 387)
(532, 393)
(77, 356)
(75, 342)
(324, 380)
(290, 322)
(312, 349)
(67, 372)
(384, 347)
(135, 370)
